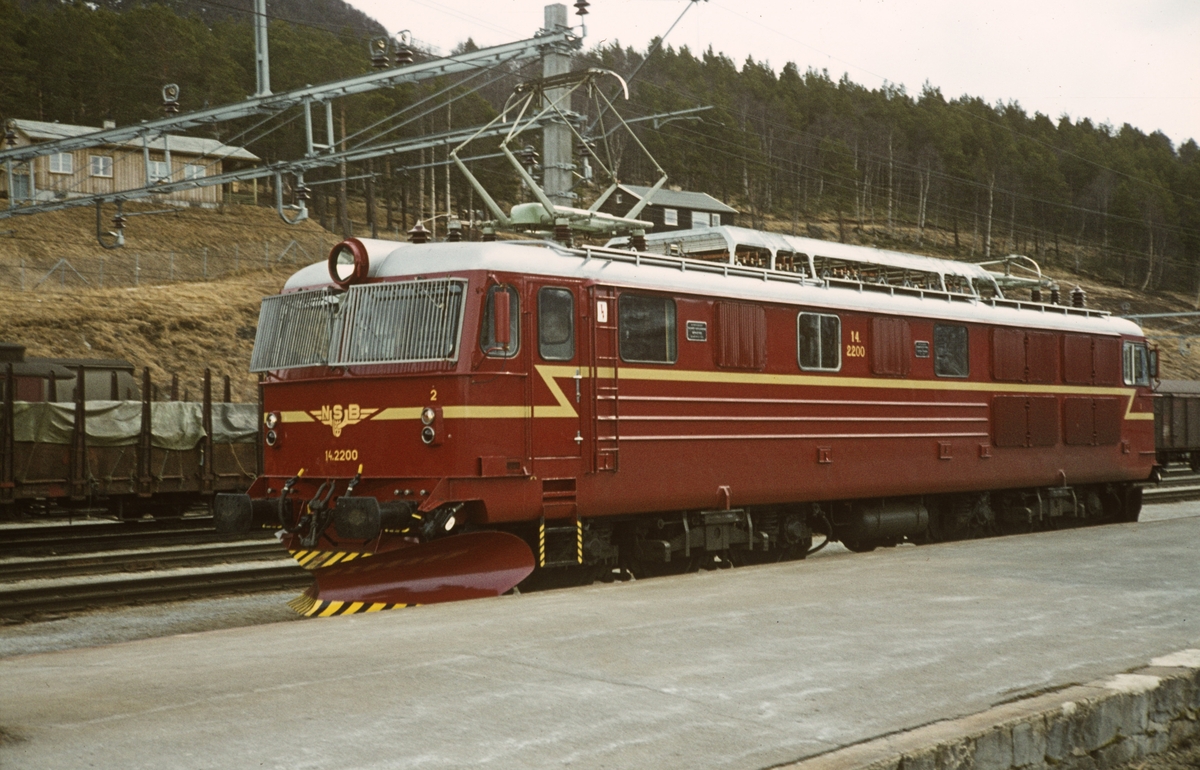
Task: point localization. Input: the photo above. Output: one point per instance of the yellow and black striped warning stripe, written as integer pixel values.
(315, 608)
(318, 559)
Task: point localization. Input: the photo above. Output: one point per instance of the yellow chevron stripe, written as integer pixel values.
(353, 608)
(334, 559)
(377, 607)
(331, 609)
(306, 559)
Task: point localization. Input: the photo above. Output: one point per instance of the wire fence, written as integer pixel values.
(131, 267)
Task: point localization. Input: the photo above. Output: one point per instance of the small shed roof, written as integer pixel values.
(680, 198)
(41, 131)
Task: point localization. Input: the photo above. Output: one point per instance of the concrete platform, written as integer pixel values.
(746, 668)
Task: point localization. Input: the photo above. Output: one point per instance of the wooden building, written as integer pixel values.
(116, 167)
(671, 209)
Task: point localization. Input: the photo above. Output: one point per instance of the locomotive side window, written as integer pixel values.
(819, 342)
(950, 352)
(1137, 364)
(487, 339)
(647, 329)
(556, 324)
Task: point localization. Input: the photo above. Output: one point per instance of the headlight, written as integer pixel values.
(272, 438)
(271, 420)
(428, 415)
(428, 434)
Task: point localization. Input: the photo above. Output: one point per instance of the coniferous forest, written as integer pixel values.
(797, 151)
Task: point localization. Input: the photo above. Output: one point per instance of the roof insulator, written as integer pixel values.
(454, 231)
(404, 51)
(170, 99)
(378, 48)
(581, 7)
(562, 231)
(418, 234)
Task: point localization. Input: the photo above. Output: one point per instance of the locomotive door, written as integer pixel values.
(557, 380)
(605, 412)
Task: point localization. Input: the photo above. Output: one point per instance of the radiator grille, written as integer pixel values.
(409, 322)
(384, 323)
(295, 330)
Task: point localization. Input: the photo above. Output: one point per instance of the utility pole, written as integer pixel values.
(262, 61)
(556, 137)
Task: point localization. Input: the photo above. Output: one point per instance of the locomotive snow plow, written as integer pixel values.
(473, 565)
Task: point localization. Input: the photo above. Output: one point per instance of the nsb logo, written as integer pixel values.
(338, 416)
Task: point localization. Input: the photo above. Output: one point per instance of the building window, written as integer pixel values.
(159, 171)
(20, 187)
(62, 163)
(193, 171)
(819, 342)
(670, 217)
(699, 219)
(556, 324)
(950, 352)
(647, 329)
(714, 220)
(101, 165)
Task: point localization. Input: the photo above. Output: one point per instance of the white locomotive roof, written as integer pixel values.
(687, 276)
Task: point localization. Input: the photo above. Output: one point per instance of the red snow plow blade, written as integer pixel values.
(469, 566)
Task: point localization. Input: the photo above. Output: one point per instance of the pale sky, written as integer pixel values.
(1113, 61)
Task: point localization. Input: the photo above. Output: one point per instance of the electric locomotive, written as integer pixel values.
(445, 420)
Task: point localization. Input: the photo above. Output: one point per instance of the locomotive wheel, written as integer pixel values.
(679, 565)
(1133, 504)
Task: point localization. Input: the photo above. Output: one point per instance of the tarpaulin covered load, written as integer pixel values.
(175, 425)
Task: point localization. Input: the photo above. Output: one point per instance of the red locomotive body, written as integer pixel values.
(617, 409)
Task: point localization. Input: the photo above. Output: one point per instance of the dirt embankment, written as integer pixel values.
(176, 329)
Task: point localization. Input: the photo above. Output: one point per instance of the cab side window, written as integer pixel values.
(556, 324)
(951, 355)
(487, 336)
(819, 342)
(647, 329)
(1136, 364)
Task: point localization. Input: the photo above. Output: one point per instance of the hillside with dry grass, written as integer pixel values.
(184, 326)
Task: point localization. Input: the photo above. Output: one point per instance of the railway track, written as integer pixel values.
(97, 537)
(138, 561)
(67, 597)
(1179, 483)
(70, 567)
